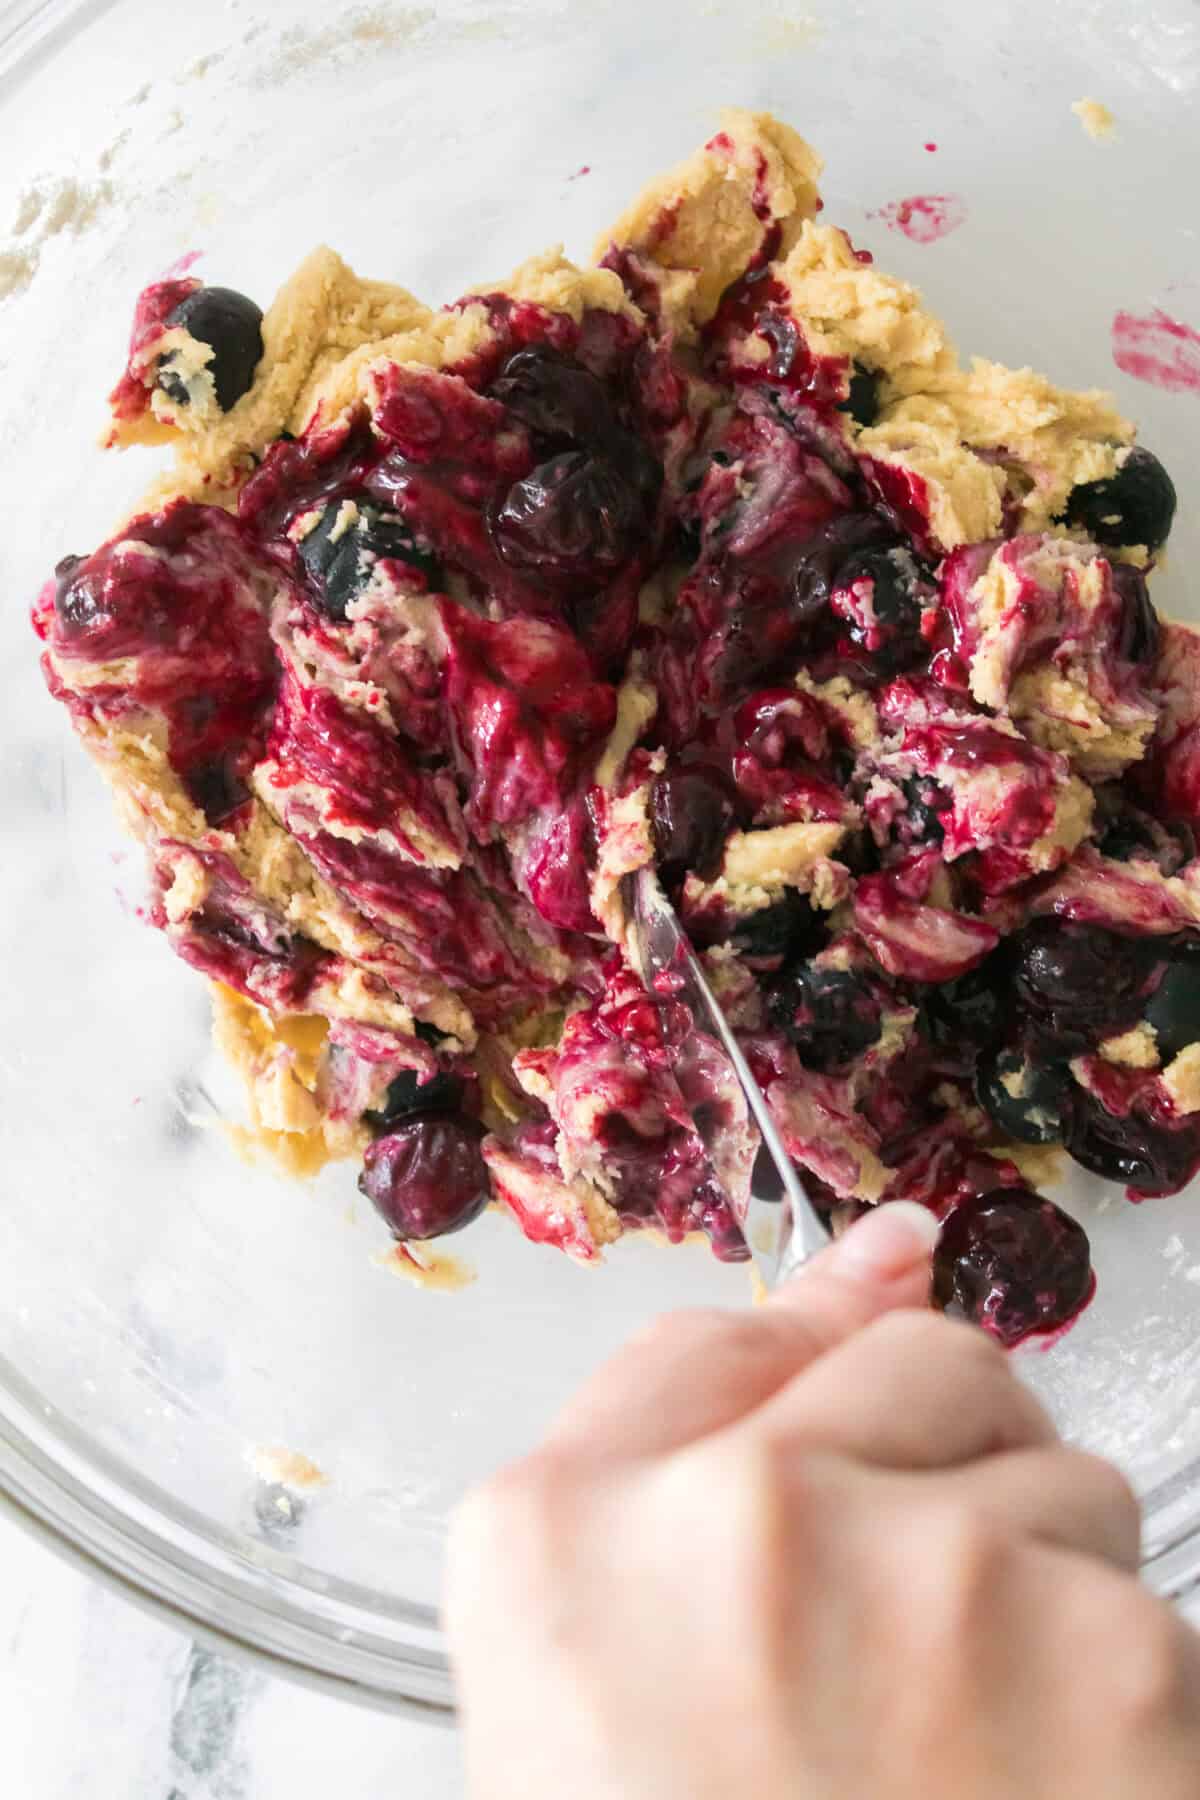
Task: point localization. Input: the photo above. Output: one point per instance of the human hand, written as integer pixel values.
(831, 1548)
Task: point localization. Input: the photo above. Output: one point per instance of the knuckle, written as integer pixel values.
(1146, 1678)
(767, 1504)
(971, 1563)
(1107, 1486)
(977, 1353)
(517, 1508)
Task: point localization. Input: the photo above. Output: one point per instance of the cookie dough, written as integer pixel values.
(713, 553)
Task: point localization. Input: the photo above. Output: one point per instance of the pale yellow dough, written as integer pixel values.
(703, 222)
(1095, 118)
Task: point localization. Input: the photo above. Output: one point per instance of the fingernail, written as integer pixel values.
(888, 1242)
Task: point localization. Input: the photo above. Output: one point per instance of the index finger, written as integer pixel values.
(693, 1373)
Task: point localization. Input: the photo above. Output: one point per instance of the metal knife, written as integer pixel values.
(780, 1223)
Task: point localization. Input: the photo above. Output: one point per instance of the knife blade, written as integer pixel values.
(779, 1222)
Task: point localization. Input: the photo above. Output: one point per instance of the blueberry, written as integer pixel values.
(1126, 834)
(788, 925)
(1012, 1262)
(578, 516)
(692, 814)
(919, 822)
(964, 1016)
(1123, 832)
(340, 551)
(820, 561)
(830, 1015)
(1173, 1009)
(1028, 1101)
(1134, 506)
(1140, 631)
(232, 326)
(427, 1176)
(1079, 982)
(1152, 1159)
(442, 1093)
(558, 399)
(879, 595)
(862, 401)
(215, 789)
(75, 602)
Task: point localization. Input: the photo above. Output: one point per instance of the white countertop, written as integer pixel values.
(98, 1699)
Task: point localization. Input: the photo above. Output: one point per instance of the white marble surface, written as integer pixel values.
(98, 1699)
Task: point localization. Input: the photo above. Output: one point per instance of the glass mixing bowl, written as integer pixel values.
(170, 1313)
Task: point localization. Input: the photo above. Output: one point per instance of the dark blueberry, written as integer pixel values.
(576, 516)
(1134, 506)
(232, 326)
(692, 815)
(442, 1093)
(560, 400)
(919, 822)
(1140, 632)
(789, 926)
(1012, 1262)
(1173, 1009)
(1126, 834)
(1080, 982)
(818, 564)
(339, 553)
(879, 595)
(830, 1015)
(1150, 1158)
(74, 601)
(966, 1014)
(215, 790)
(1028, 1101)
(862, 401)
(427, 1177)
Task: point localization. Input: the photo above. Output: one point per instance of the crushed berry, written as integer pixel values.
(1012, 1262)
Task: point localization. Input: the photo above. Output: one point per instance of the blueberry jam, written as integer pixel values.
(681, 563)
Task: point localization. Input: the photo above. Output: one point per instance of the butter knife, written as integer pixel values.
(779, 1222)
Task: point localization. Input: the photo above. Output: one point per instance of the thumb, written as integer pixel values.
(882, 1261)
(694, 1373)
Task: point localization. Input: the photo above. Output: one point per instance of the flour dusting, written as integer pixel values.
(46, 209)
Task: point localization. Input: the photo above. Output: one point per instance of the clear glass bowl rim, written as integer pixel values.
(249, 1599)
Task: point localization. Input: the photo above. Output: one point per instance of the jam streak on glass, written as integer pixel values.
(1157, 349)
(924, 218)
